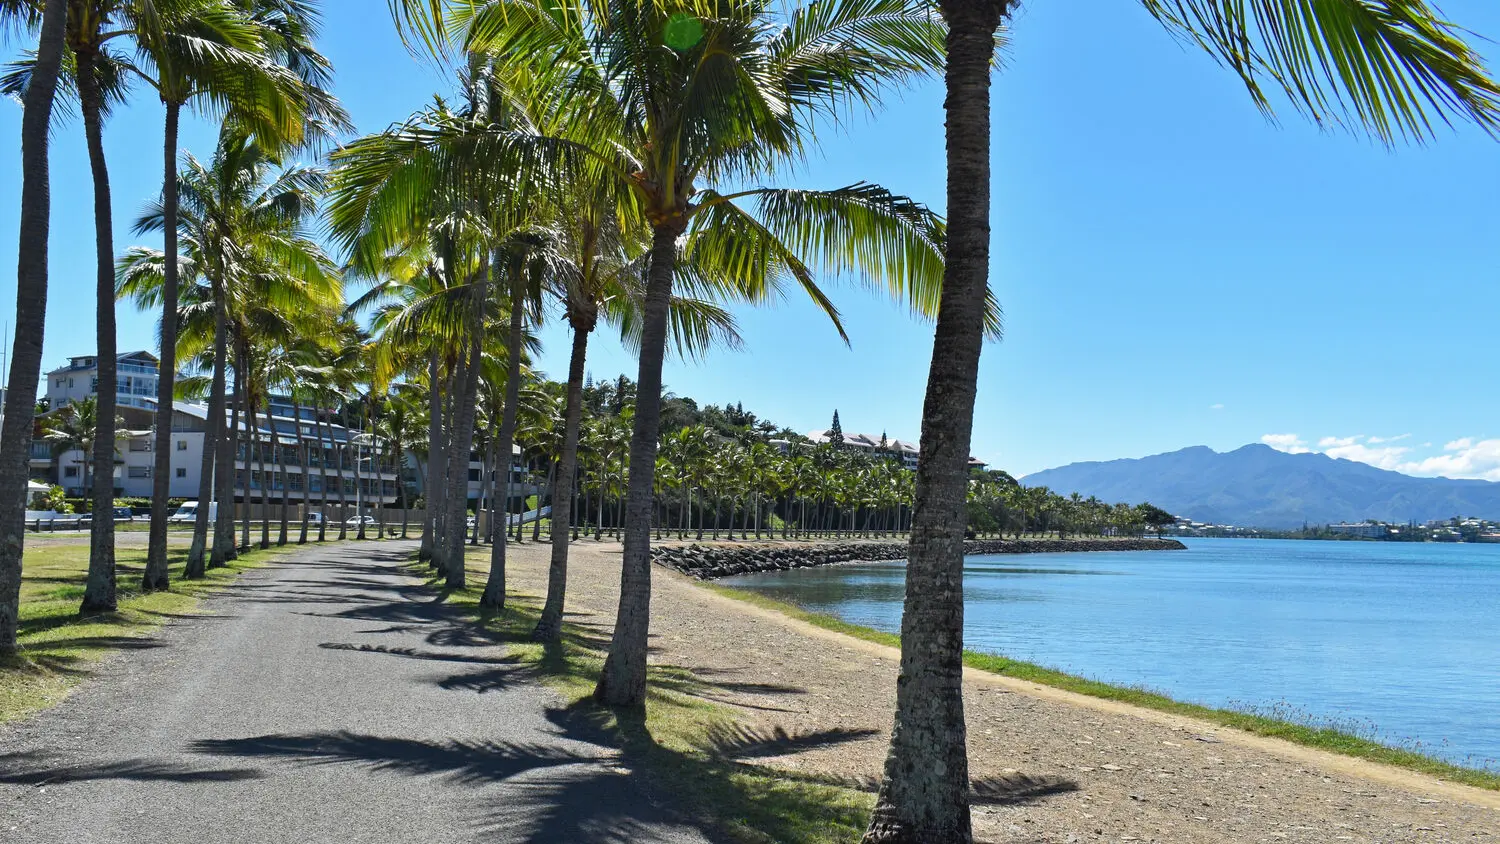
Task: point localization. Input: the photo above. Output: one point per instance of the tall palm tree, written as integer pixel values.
(630, 105)
(31, 305)
(251, 63)
(1391, 66)
(242, 221)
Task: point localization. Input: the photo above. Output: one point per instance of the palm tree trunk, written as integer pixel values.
(281, 465)
(320, 427)
(361, 484)
(302, 463)
(623, 680)
(494, 588)
(486, 499)
(462, 440)
(536, 523)
(401, 481)
(212, 432)
(229, 451)
(265, 479)
(155, 576)
(99, 591)
(924, 795)
(340, 456)
(31, 316)
(549, 627)
(434, 457)
(252, 442)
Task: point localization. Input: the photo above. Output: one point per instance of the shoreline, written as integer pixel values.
(1369, 758)
(710, 562)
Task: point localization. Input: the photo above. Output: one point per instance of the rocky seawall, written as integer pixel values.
(709, 562)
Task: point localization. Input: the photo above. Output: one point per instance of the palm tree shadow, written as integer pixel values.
(31, 768)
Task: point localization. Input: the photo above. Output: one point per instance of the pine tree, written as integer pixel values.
(836, 433)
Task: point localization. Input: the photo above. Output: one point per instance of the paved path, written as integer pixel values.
(327, 698)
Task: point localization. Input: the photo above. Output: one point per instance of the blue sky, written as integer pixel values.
(1175, 269)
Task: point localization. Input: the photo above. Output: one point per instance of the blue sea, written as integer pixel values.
(1398, 642)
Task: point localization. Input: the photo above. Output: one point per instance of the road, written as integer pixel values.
(325, 698)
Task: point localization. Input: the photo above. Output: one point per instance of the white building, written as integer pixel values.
(297, 465)
(136, 380)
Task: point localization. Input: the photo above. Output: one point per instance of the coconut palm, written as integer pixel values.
(1391, 67)
(242, 225)
(73, 428)
(250, 63)
(31, 301)
(668, 147)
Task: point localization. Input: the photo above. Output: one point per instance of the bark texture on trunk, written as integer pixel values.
(213, 432)
(623, 680)
(494, 587)
(155, 576)
(99, 591)
(549, 626)
(31, 316)
(225, 548)
(434, 458)
(460, 446)
(923, 797)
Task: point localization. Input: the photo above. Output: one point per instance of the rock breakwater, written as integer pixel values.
(709, 562)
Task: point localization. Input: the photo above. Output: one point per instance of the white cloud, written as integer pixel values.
(1219, 406)
(1385, 457)
(1289, 443)
(1464, 458)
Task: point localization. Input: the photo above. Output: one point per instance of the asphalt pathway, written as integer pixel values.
(325, 698)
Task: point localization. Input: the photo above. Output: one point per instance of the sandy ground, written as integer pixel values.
(1116, 773)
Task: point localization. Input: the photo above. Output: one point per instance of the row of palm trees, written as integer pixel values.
(599, 159)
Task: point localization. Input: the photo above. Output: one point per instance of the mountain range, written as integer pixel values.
(1258, 486)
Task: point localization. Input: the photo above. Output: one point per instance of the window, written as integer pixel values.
(181, 472)
(473, 474)
(140, 471)
(70, 471)
(182, 445)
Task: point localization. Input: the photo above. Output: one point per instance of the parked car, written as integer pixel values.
(122, 514)
(188, 512)
(354, 521)
(315, 518)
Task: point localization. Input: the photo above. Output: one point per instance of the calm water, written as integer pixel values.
(1397, 640)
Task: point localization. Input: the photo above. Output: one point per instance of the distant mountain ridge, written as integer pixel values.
(1258, 486)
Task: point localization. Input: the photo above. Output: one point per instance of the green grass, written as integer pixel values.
(1312, 735)
(683, 745)
(58, 648)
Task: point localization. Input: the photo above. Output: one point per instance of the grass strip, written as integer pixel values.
(682, 748)
(1308, 735)
(58, 647)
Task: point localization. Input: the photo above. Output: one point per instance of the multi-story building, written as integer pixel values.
(135, 387)
(307, 448)
(1368, 530)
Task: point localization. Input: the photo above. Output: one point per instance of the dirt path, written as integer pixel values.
(1140, 775)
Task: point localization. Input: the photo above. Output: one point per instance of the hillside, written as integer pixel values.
(1259, 486)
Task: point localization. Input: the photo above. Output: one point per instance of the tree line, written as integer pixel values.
(595, 159)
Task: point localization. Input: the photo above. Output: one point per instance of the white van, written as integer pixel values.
(188, 512)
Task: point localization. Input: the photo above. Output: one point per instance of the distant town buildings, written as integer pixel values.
(897, 449)
(1367, 530)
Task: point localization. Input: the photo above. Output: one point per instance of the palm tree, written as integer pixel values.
(74, 428)
(222, 55)
(1391, 67)
(31, 304)
(242, 222)
(658, 140)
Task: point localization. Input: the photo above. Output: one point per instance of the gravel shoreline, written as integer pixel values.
(1138, 775)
